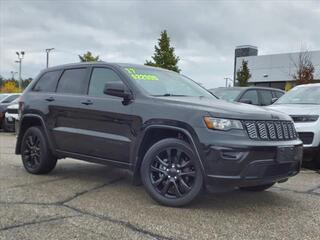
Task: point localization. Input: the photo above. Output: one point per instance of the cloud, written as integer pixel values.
(204, 33)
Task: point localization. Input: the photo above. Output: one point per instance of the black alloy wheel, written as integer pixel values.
(35, 153)
(31, 153)
(171, 172)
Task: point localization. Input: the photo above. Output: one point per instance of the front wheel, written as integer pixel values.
(35, 152)
(259, 188)
(171, 173)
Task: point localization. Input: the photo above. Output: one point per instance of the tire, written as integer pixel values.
(4, 126)
(35, 153)
(316, 160)
(259, 188)
(171, 173)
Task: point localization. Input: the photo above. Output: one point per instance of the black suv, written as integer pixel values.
(170, 132)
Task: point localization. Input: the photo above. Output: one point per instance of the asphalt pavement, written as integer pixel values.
(80, 200)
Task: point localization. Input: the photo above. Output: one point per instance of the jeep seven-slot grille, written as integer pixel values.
(270, 130)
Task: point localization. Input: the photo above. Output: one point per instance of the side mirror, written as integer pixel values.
(245, 100)
(273, 100)
(117, 89)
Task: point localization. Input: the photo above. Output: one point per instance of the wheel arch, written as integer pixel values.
(155, 133)
(27, 121)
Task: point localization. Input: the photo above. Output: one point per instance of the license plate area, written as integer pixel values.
(287, 154)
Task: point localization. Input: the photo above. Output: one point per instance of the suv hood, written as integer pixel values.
(296, 109)
(224, 109)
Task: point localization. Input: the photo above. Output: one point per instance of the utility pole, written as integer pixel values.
(20, 57)
(228, 79)
(12, 74)
(48, 51)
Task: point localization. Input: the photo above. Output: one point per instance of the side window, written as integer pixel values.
(251, 95)
(73, 81)
(266, 97)
(99, 77)
(48, 82)
(278, 94)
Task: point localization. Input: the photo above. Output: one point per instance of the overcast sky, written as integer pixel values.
(204, 33)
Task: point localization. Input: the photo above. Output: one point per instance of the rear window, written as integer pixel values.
(48, 82)
(278, 94)
(266, 97)
(73, 81)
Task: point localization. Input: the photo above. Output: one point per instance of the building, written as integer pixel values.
(275, 70)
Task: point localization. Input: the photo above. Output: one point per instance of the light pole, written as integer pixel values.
(20, 57)
(48, 51)
(228, 79)
(12, 74)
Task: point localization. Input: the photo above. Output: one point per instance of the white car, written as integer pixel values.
(302, 103)
(12, 117)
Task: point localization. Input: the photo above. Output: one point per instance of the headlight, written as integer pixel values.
(305, 118)
(222, 124)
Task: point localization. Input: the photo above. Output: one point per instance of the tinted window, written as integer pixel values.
(73, 81)
(251, 95)
(48, 82)
(266, 97)
(227, 94)
(278, 94)
(10, 99)
(99, 77)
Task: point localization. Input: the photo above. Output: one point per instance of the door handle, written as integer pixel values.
(87, 102)
(49, 99)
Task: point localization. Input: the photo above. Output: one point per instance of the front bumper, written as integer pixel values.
(237, 163)
(240, 167)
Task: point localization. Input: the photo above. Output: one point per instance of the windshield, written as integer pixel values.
(3, 96)
(226, 94)
(159, 82)
(301, 95)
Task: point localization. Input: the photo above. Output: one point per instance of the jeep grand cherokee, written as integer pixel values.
(171, 133)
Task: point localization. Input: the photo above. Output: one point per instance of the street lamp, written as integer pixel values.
(48, 51)
(228, 79)
(20, 57)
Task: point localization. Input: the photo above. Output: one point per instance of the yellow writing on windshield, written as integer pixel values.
(138, 76)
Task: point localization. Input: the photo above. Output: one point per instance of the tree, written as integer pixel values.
(243, 74)
(10, 87)
(304, 68)
(88, 57)
(164, 55)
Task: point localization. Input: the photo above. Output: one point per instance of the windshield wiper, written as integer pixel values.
(170, 95)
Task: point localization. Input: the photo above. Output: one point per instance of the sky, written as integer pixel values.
(203, 33)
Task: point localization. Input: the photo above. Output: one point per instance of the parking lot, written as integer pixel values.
(85, 201)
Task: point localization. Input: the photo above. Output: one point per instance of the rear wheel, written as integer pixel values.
(259, 188)
(171, 173)
(35, 153)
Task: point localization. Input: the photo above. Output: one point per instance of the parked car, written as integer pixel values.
(170, 132)
(5, 100)
(302, 103)
(260, 96)
(12, 117)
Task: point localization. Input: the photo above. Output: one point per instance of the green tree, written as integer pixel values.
(88, 57)
(243, 74)
(164, 55)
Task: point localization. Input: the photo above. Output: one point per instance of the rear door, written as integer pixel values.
(98, 125)
(65, 111)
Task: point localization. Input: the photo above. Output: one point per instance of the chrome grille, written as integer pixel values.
(270, 130)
